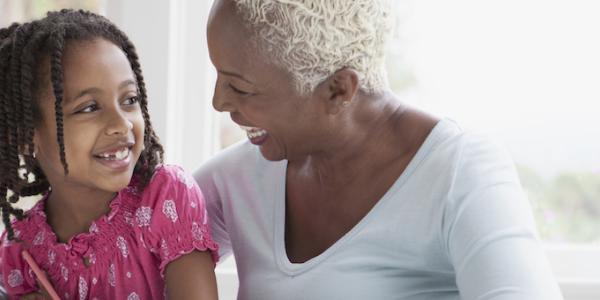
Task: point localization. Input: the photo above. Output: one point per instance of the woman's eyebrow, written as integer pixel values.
(233, 74)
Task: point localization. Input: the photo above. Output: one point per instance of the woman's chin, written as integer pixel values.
(271, 155)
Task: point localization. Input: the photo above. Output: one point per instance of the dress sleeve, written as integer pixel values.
(16, 277)
(490, 232)
(173, 217)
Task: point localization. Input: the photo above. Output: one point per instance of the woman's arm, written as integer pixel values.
(192, 276)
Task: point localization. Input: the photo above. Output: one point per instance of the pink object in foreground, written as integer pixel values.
(41, 276)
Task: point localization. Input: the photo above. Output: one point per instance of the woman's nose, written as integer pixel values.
(221, 103)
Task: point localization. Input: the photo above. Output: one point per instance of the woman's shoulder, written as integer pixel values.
(449, 140)
(232, 158)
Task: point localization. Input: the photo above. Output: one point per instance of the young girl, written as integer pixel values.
(113, 223)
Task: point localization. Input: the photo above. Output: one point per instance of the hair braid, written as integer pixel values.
(56, 74)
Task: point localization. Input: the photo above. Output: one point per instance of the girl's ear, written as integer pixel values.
(339, 89)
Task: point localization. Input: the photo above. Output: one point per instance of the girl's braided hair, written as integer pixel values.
(22, 49)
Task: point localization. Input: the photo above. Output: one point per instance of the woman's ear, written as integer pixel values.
(339, 90)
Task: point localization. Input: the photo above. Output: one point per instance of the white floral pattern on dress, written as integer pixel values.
(133, 296)
(111, 275)
(94, 228)
(128, 274)
(165, 248)
(83, 288)
(92, 258)
(39, 238)
(185, 179)
(51, 256)
(128, 216)
(64, 272)
(122, 245)
(197, 232)
(94, 280)
(143, 216)
(15, 278)
(170, 210)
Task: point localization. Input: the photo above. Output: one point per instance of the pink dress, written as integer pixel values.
(124, 254)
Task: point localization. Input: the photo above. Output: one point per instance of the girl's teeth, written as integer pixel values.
(119, 155)
(122, 154)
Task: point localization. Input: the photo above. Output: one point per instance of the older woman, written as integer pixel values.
(342, 191)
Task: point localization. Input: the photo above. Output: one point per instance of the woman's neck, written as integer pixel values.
(375, 135)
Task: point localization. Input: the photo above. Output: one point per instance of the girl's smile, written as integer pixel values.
(118, 157)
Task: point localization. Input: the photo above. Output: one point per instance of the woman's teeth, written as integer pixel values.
(254, 132)
(119, 155)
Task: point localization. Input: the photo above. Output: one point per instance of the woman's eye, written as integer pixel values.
(238, 91)
(131, 100)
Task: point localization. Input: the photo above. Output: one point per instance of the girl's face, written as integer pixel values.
(103, 124)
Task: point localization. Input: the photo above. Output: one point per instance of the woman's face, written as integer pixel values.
(259, 95)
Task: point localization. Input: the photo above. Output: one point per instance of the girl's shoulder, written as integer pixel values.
(170, 176)
(27, 229)
(168, 182)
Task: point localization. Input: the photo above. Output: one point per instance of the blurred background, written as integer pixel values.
(526, 72)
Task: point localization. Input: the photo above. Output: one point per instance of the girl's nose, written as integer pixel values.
(118, 124)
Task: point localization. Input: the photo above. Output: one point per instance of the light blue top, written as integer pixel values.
(454, 225)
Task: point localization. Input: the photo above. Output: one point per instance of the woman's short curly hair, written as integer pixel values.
(312, 39)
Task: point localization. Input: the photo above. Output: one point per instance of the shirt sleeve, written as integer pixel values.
(490, 232)
(16, 277)
(204, 176)
(173, 217)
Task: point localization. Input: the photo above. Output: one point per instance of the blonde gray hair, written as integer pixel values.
(313, 39)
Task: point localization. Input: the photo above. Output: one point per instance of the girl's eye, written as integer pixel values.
(88, 109)
(238, 91)
(131, 100)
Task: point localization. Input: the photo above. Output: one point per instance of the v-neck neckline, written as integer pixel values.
(294, 269)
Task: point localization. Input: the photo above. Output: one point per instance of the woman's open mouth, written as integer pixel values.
(257, 136)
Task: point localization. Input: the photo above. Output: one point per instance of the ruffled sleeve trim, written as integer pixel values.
(181, 242)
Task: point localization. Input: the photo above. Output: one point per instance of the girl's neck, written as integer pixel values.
(72, 212)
